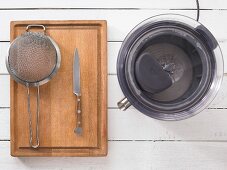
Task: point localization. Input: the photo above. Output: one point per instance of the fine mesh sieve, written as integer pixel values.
(33, 58)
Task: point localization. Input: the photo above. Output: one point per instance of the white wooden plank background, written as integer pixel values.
(135, 140)
(135, 155)
(154, 4)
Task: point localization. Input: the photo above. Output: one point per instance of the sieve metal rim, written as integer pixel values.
(46, 79)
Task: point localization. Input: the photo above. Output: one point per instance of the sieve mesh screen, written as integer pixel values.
(32, 57)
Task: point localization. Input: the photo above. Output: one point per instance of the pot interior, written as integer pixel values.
(181, 61)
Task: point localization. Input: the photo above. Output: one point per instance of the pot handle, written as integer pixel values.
(123, 104)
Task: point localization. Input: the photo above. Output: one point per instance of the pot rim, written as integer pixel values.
(217, 74)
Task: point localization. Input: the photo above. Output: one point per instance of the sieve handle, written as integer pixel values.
(36, 25)
(36, 145)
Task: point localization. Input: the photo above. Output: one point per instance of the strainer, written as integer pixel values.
(33, 59)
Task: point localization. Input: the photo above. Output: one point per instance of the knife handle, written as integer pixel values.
(79, 116)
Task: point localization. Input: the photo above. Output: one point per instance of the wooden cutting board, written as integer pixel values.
(57, 101)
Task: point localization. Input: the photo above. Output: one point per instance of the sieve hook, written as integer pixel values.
(37, 25)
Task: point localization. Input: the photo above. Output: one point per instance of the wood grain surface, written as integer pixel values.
(57, 101)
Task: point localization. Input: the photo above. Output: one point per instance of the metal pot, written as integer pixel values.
(196, 66)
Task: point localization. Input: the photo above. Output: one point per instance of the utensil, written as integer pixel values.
(76, 91)
(151, 77)
(150, 74)
(33, 59)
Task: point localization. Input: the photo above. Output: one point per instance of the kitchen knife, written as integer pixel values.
(77, 92)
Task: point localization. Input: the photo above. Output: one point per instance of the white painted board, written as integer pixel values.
(154, 4)
(131, 155)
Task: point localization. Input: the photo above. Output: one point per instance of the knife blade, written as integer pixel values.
(76, 91)
(76, 73)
